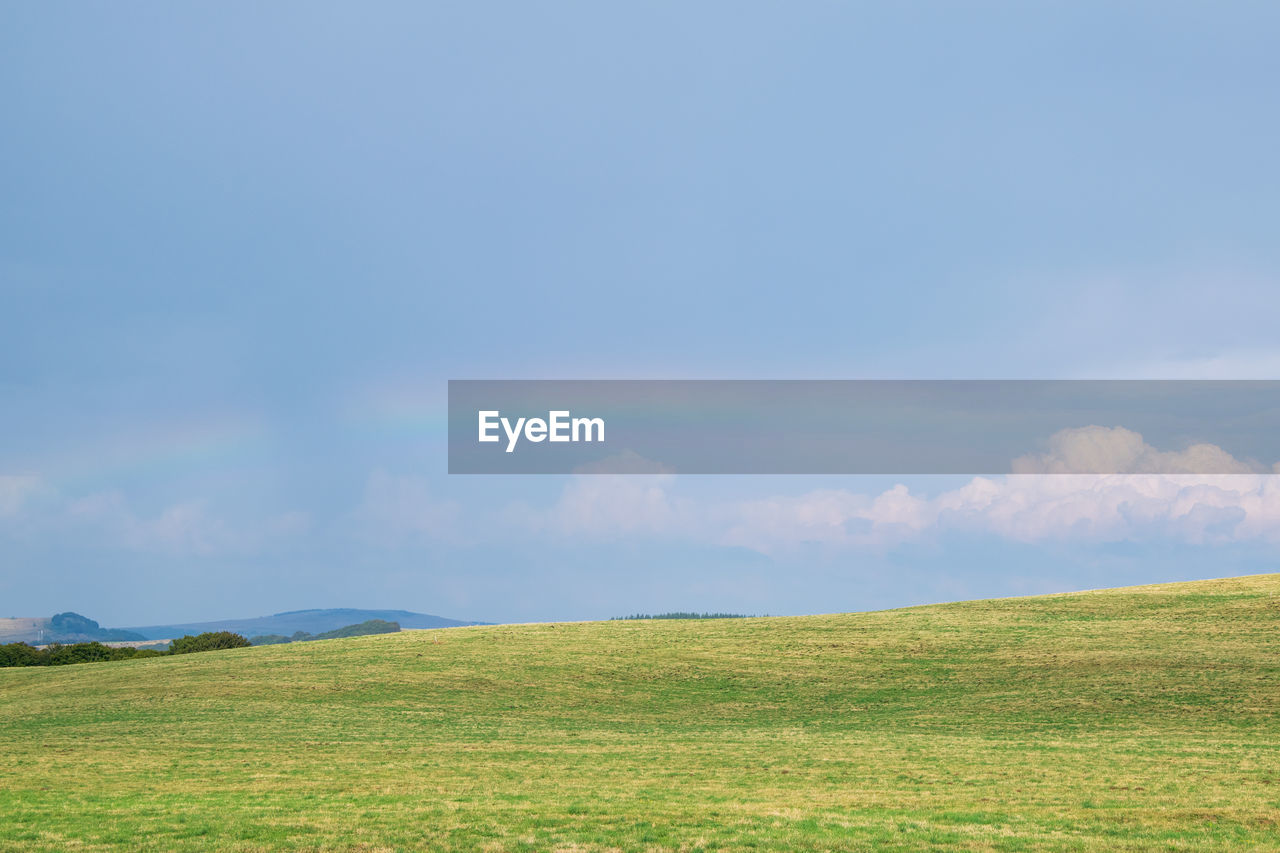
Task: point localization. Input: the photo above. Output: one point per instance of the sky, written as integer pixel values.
(243, 247)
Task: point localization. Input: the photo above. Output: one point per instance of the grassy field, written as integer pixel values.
(1135, 719)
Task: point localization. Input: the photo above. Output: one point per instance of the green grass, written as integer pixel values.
(1134, 719)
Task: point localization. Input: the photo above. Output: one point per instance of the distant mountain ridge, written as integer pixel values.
(291, 621)
(61, 628)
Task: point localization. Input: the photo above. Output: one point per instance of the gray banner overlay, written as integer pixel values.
(863, 426)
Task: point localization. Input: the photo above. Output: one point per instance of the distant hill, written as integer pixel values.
(364, 629)
(22, 629)
(61, 628)
(289, 623)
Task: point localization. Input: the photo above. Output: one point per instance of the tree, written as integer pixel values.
(21, 654)
(207, 642)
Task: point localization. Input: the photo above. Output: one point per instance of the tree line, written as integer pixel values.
(59, 654)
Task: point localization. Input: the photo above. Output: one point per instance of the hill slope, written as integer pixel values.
(1132, 719)
(311, 621)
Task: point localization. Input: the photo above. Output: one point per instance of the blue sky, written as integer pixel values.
(244, 248)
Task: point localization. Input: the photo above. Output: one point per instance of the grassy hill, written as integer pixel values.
(1135, 719)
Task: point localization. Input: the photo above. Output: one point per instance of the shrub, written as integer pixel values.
(207, 642)
(57, 654)
(78, 653)
(20, 654)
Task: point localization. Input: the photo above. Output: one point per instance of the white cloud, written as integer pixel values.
(1116, 450)
(1161, 498)
(1117, 507)
(632, 499)
(1024, 508)
(605, 506)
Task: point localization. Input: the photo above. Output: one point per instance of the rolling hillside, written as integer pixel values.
(1145, 718)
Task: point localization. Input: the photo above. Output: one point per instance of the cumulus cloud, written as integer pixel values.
(1091, 508)
(632, 497)
(606, 506)
(1163, 497)
(1116, 450)
(833, 517)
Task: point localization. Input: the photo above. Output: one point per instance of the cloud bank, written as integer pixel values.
(1162, 496)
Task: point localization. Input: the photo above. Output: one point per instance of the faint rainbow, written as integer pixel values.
(156, 452)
